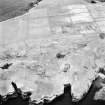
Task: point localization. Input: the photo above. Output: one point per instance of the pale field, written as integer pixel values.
(43, 32)
(51, 21)
(10, 8)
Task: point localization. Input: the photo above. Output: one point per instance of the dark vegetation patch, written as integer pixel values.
(60, 56)
(6, 66)
(102, 35)
(94, 1)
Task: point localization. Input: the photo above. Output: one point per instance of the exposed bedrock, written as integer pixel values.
(48, 74)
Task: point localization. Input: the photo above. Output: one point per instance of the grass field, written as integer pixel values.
(11, 8)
